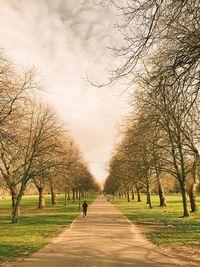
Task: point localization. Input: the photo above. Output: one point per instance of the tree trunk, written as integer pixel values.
(41, 202)
(73, 195)
(147, 199)
(53, 197)
(133, 195)
(65, 196)
(163, 202)
(138, 194)
(184, 198)
(193, 187)
(13, 192)
(68, 193)
(192, 196)
(148, 196)
(16, 208)
(76, 194)
(128, 196)
(15, 213)
(160, 190)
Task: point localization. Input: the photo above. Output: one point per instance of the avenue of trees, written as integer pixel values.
(35, 147)
(160, 57)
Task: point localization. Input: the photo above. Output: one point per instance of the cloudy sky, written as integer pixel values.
(65, 39)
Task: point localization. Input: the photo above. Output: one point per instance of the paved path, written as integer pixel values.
(104, 239)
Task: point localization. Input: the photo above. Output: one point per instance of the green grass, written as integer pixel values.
(36, 227)
(166, 225)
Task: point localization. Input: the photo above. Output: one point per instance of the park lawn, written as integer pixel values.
(36, 227)
(163, 226)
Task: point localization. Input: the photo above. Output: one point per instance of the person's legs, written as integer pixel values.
(84, 213)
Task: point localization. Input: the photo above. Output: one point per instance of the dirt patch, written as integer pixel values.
(146, 227)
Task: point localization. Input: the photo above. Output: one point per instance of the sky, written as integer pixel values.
(68, 40)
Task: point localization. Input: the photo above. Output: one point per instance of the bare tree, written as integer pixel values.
(35, 140)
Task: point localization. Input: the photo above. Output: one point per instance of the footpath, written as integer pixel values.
(105, 238)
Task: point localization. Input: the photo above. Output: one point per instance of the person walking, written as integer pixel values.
(85, 206)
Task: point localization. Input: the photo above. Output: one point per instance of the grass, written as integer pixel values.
(36, 227)
(164, 226)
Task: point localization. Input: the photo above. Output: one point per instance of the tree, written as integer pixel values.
(174, 103)
(36, 140)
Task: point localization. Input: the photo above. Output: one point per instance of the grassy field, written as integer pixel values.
(163, 225)
(35, 228)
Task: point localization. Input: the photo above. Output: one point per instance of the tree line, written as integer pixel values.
(160, 57)
(35, 146)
